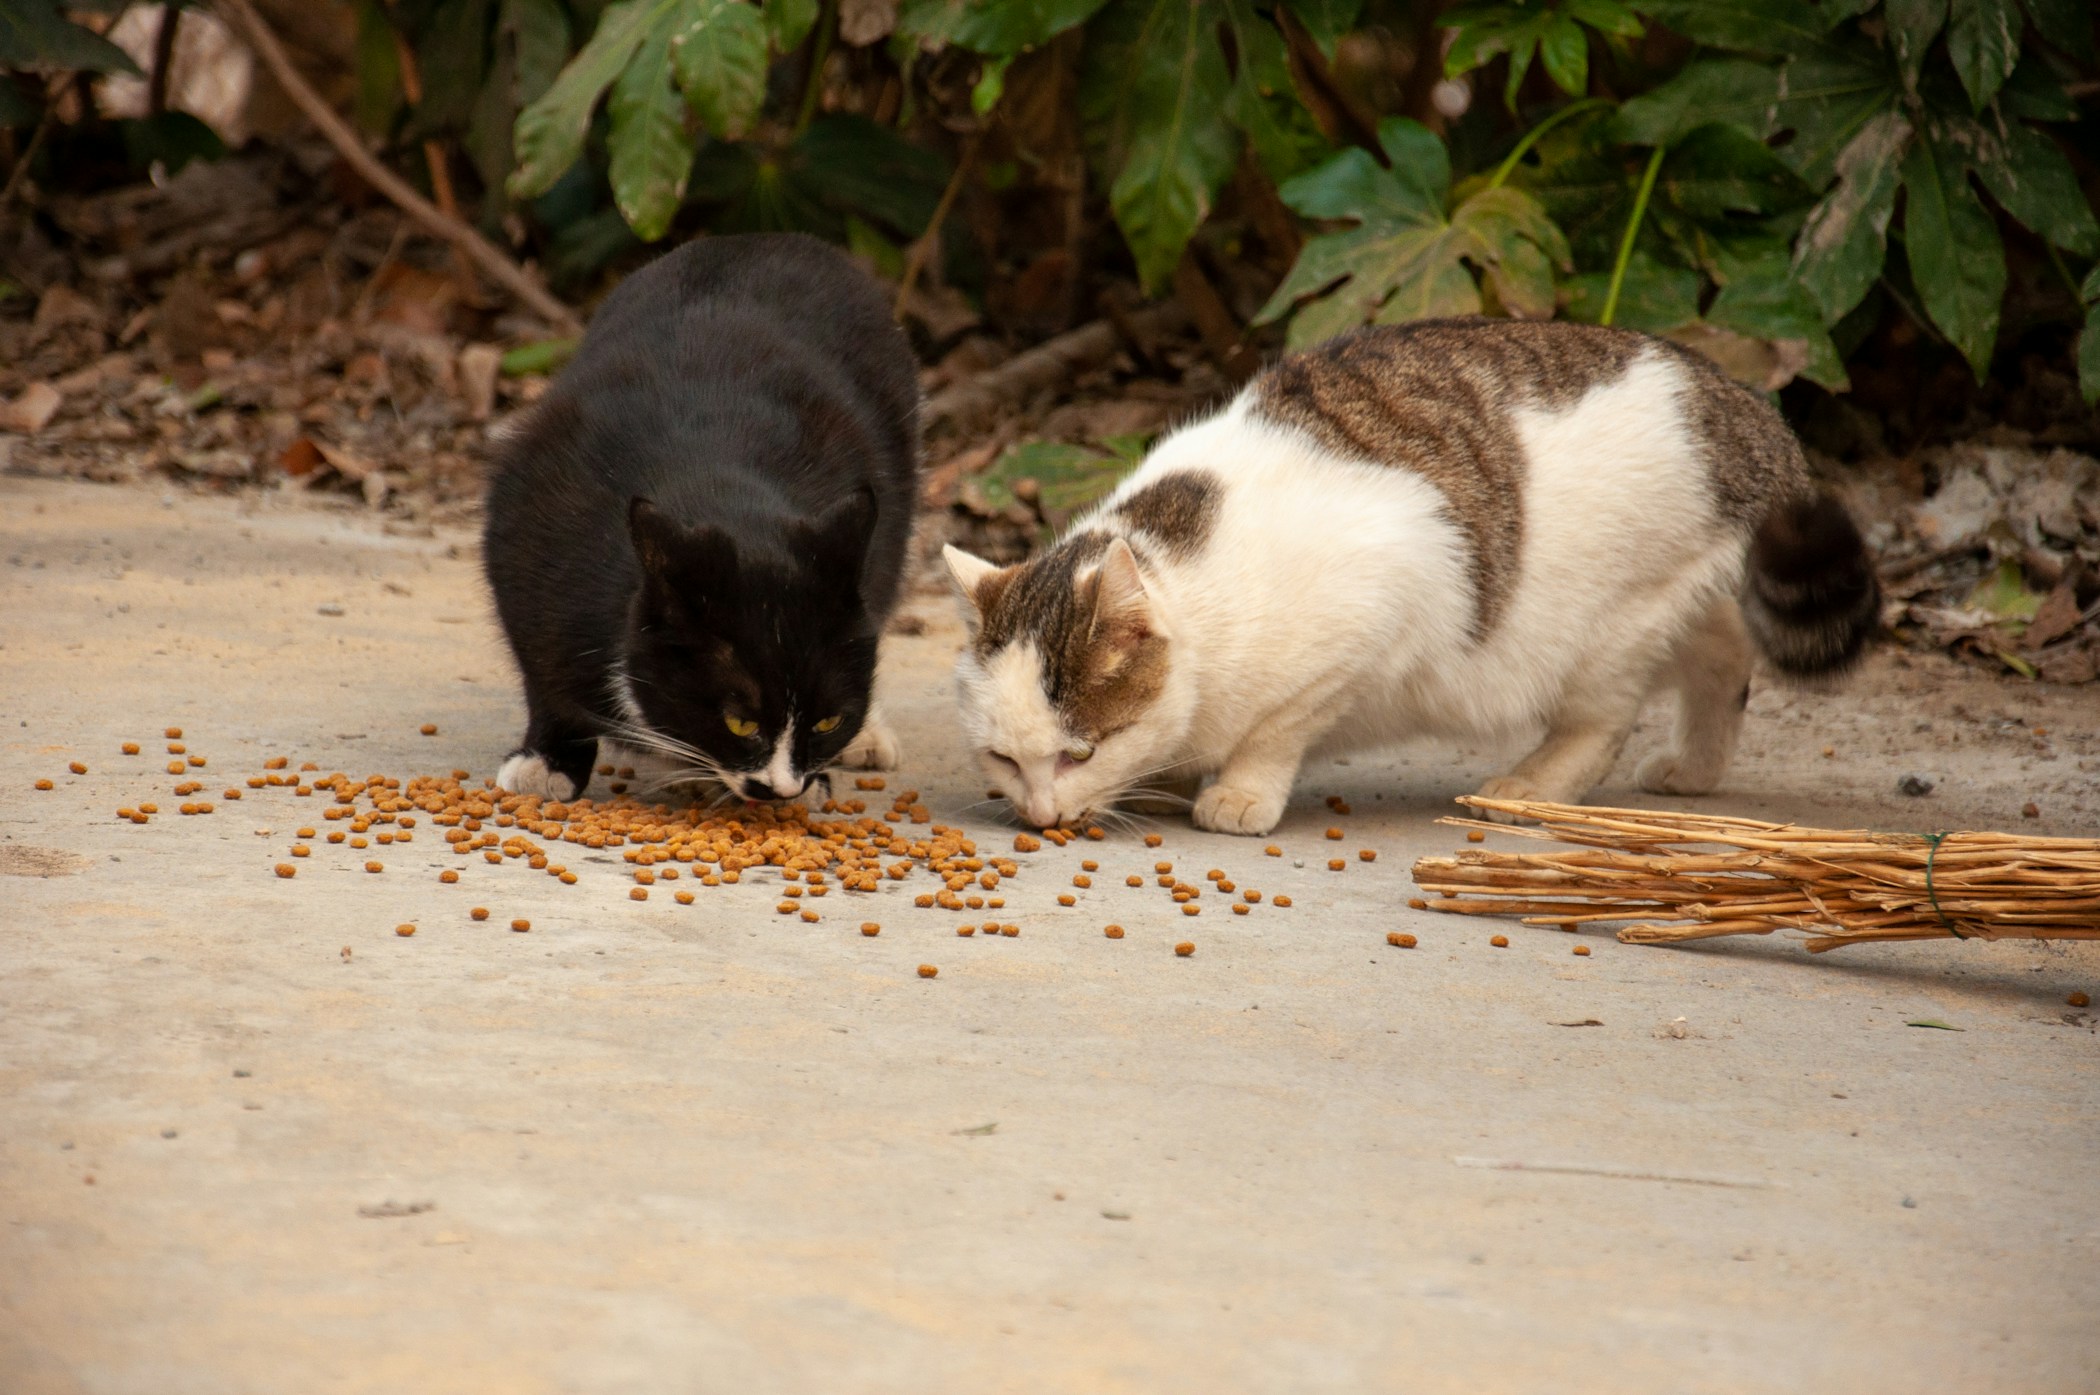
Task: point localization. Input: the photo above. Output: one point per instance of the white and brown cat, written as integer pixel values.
(1451, 527)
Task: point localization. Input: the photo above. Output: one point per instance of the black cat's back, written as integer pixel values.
(744, 384)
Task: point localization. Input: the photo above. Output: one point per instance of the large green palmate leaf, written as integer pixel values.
(1842, 245)
(652, 152)
(1405, 259)
(1746, 26)
(551, 131)
(1770, 304)
(1264, 104)
(996, 28)
(1983, 39)
(788, 23)
(1326, 20)
(2066, 23)
(842, 168)
(531, 41)
(1956, 259)
(1155, 93)
(1912, 26)
(1653, 296)
(451, 46)
(719, 50)
(1523, 29)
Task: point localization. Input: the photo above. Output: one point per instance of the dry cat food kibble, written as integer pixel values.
(869, 927)
(375, 867)
(1153, 840)
(1582, 950)
(1416, 903)
(1499, 941)
(479, 913)
(1133, 880)
(428, 729)
(1335, 864)
(130, 748)
(1400, 939)
(404, 930)
(928, 971)
(1067, 899)
(1283, 901)
(521, 926)
(683, 898)
(285, 869)
(45, 785)
(639, 893)
(1474, 835)
(1009, 931)
(966, 931)
(2078, 998)
(448, 876)
(1334, 835)
(1273, 851)
(1241, 908)
(173, 733)
(1367, 855)
(1192, 909)
(1114, 932)
(78, 767)
(1185, 948)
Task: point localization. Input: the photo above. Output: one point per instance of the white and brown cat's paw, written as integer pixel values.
(527, 772)
(1227, 808)
(875, 748)
(1509, 787)
(1672, 772)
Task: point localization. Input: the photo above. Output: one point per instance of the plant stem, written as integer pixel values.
(1633, 226)
(1531, 137)
(2056, 259)
(819, 51)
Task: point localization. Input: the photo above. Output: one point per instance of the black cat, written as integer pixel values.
(697, 537)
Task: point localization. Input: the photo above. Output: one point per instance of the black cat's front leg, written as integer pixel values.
(553, 763)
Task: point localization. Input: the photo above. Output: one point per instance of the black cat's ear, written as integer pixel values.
(674, 555)
(839, 536)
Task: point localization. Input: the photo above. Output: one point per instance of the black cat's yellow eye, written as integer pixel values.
(738, 726)
(830, 724)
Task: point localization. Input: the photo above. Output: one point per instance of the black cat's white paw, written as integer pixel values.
(527, 772)
(875, 748)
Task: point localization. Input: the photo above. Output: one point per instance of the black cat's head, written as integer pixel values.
(758, 661)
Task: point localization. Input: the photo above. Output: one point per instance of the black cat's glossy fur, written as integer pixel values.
(702, 528)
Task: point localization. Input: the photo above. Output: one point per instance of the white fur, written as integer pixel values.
(524, 773)
(1331, 609)
(780, 769)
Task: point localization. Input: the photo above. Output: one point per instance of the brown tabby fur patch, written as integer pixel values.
(1175, 510)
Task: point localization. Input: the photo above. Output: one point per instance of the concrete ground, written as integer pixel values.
(253, 1141)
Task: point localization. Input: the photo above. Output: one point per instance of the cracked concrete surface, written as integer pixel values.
(668, 1148)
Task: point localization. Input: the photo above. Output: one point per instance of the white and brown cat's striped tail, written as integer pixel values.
(1811, 600)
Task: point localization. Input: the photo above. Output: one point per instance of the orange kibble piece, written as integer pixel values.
(1474, 835)
(1273, 851)
(1067, 899)
(683, 898)
(1009, 930)
(1400, 939)
(276, 763)
(1082, 881)
(1153, 840)
(1096, 832)
(1114, 932)
(1191, 908)
(639, 893)
(173, 733)
(1499, 941)
(869, 927)
(568, 878)
(1583, 950)
(521, 926)
(966, 930)
(176, 767)
(448, 876)
(1335, 864)
(176, 748)
(479, 913)
(1416, 903)
(45, 785)
(1133, 881)
(1335, 834)
(645, 877)
(337, 836)
(130, 748)
(1240, 908)
(149, 808)
(429, 729)
(2078, 998)
(1185, 948)
(1089, 866)
(229, 794)
(1367, 855)
(285, 869)
(78, 767)
(1162, 866)
(375, 867)
(928, 971)
(786, 907)
(811, 916)
(1283, 901)
(197, 762)
(306, 833)
(404, 931)
(1253, 898)
(1024, 843)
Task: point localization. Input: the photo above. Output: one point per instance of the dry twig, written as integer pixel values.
(484, 254)
(1692, 876)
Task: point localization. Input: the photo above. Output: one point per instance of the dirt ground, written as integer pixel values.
(248, 1131)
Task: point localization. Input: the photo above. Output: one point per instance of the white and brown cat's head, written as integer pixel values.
(1069, 688)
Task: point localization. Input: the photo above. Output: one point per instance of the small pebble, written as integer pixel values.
(2030, 810)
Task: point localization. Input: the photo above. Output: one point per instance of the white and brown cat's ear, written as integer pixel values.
(976, 582)
(1123, 613)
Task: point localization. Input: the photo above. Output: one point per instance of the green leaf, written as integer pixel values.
(2026, 172)
(1066, 477)
(542, 357)
(719, 49)
(1325, 20)
(452, 46)
(1264, 104)
(1718, 170)
(1826, 99)
(1564, 50)
(1608, 17)
(1845, 240)
(2004, 593)
(35, 35)
(1154, 95)
(1737, 91)
(2036, 92)
(551, 131)
(652, 152)
(990, 85)
(788, 23)
(854, 165)
(541, 32)
(2089, 350)
(378, 65)
(1934, 1022)
(1404, 259)
(1956, 259)
(1983, 39)
(1775, 307)
(531, 40)
(2066, 23)
(996, 28)
(1653, 296)
(1746, 26)
(1912, 26)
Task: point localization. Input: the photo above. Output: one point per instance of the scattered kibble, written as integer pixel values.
(1334, 835)
(1009, 930)
(173, 733)
(479, 913)
(176, 767)
(1474, 835)
(1067, 899)
(1499, 941)
(1162, 866)
(928, 971)
(1241, 908)
(1338, 804)
(2078, 998)
(375, 867)
(1185, 948)
(1367, 855)
(1191, 908)
(1024, 843)
(1283, 901)
(1336, 864)
(521, 926)
(869, 782)
(448, 876)
(683, 898)
(130, 748)
(1153, 840)
(1400, 939)
(1273, 851)
(639, 893)
(966, 930)
(1114, 932)
(404, 930)
(811, 916)
(428, 729)
(1133, 880)
(45, 785)
(1416, 903)
(1583, 950)
(1082, 881)
(285, 869)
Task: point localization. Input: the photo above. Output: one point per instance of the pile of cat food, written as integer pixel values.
(683, 852)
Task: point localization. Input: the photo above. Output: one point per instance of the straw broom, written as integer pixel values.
(1693, 876)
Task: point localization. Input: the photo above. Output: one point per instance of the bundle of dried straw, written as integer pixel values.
(1691, 876)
